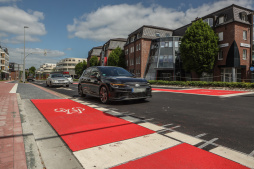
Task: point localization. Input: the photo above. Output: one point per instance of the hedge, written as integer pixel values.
(204, 84)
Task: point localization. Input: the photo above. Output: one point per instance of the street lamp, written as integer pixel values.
(24, 74)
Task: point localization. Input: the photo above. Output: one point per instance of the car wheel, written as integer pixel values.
(104, 95)
(80, 91)
(67, 85)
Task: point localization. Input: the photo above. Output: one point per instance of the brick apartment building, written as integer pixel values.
(96, 51)
(234, 26)
(108, 47)
(4, 63)
(138, 45)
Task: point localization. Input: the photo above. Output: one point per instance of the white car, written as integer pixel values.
(69, 78)
(57, 79)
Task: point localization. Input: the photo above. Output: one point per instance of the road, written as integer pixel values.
(225, 121)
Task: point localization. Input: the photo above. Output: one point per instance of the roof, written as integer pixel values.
(150, 26)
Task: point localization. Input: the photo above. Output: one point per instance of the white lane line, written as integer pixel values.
(207, 143)
(252, 154)
(175, 127)
(114, 113)
(184, 138)
(14, 88)
(234, 156)
(201, 135)
(102, 109)
(168, 125)
(116, 153)
(131, 119)
(151, 126)
(149, 119)
(239, 94)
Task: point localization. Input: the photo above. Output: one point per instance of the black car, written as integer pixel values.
(112, 84)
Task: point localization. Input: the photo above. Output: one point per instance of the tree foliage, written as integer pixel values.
(80, 67)
(116, 58)
(199, 48)
(32, 70)
(94, 61)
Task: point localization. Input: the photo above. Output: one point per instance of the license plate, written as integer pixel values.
(138, 90)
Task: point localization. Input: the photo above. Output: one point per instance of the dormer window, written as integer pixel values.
(132, 38)
(243, 16)
(157, 34)
(209, 21)
(221, 19)
(139, 36)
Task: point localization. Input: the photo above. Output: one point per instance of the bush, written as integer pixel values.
(204, 84)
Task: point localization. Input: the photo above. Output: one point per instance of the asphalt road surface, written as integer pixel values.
(227, 121)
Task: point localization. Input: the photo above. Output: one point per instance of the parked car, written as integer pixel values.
(57, 79)
(30, 78)
(112, 84)
(69, 78)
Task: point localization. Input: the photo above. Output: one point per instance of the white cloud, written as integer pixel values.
(35, 56)
(13, 20)
(115, 21)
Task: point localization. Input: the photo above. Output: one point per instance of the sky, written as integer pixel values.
(71, 28)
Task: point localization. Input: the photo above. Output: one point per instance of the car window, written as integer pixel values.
(67, 76)
(86, 72)
(114, 71)
(95, 72)
(56, 75)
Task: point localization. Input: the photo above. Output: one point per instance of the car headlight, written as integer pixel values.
(54, 81)
(116, 85)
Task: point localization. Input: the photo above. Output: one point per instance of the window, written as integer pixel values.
(162, 44)
(221, 36)
(166, 44)
(137, 47)
(221, 19)
(243, 16)
(176, 44)
(220, 55)
(138, 60)
(132, 38)
(209, 21)
(167, 34)
(157, 34)
(244, 54)
(170, 44)
(126, 52)
(138, 36)
(244, 35)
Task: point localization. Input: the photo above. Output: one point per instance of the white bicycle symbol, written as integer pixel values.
(70, 111)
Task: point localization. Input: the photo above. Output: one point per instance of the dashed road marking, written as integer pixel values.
(175, 127)
(207, 143)
(151, 126)
(201, 135)
(184, 138)
(234, 156)
(168, 125)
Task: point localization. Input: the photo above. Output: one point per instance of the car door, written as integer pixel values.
(85, 81)
(95, 81)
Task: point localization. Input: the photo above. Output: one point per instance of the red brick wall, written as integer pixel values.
(145, 49)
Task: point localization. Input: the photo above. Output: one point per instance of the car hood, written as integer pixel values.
(59, 78)
(126, 80)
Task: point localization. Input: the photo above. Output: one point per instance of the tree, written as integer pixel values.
(80, 67)
(116, 58)
(32, 70)
(94, 61)
(199, 47)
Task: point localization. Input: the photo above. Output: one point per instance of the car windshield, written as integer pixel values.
(114, 71)
(67, 76)
(56, 75)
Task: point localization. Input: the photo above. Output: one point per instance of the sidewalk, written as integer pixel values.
(12, 152)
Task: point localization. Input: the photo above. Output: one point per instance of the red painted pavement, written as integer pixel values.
(183, 156)
(202, 91)
(85, 127)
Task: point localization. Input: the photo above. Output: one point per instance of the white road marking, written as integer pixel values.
(184, 138)
(149, 119)
(168, 125)
(131, 119)
(102, 109)
(207, 143)
(114, 113)
(116, 153)
(93, 106)
(252, 153)
(175, 127)
(14, 88)
(151, 126)
(201, 135)
(234, 156)
(239, 94)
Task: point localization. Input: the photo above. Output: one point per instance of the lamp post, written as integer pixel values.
(24, 69)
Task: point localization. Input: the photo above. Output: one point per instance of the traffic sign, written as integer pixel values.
(252, 69)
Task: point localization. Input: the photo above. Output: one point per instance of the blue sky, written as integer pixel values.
(68, 28)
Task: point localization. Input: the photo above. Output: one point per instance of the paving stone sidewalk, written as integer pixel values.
(12, 151)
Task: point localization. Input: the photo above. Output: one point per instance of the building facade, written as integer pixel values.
(138, 45)
(234, 26)
(108, 47)
(68, 65)
(4, 63)
(96, 51)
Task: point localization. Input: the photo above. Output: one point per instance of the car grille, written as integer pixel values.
(136, 95)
